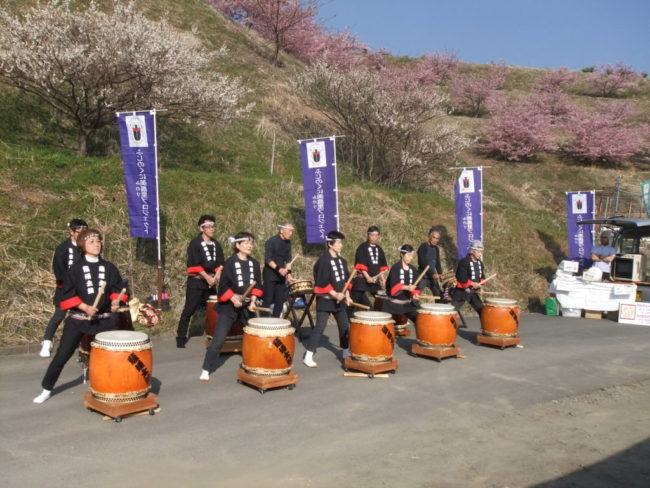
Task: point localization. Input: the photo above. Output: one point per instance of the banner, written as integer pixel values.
(318, 160)
(468, 193)
(645, 193)
(580, 206)
(138, 146)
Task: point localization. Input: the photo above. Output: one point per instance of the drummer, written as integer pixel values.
(277, 268)
(204, 263)
(470, 275)
(241, 273)
(370, 262)
(332, 297)
(81, 285)
(401, 291)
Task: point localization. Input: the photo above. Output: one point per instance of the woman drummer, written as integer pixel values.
(332, 297)
(240, 271)
(400, 288)
(91, 292)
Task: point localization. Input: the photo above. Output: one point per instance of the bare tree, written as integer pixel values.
(86, 64)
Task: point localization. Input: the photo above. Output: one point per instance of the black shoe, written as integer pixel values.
(180, 342)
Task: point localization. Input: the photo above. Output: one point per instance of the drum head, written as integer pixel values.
(268, 323)
(121, 336)
(501, 302)
(381, 294)
(371, 315)
(441, 308)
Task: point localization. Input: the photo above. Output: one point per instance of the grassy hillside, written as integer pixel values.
(226, 172)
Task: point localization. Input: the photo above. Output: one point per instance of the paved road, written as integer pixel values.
(329, 431)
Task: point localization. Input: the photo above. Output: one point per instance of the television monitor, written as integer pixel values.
(629, 267)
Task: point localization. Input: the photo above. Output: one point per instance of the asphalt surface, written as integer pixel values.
(329, 431)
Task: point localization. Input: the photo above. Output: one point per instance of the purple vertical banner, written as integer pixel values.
(579, 207)
(468, 193)
(138, 146)
(318, 160)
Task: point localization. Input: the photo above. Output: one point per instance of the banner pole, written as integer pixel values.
(160, 275)
(336, 185)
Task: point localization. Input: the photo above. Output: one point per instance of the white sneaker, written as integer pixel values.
(345, 353)
(46, 348)
(308, 360)
(205, 375)
(44, 396)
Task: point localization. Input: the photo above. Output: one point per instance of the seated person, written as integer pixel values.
(603, 255)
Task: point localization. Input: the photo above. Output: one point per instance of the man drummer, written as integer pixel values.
(470, 275)
(204, 265)
(429, 255)
(370, 262)
(277, 268)
(65, 255)
(332, 297)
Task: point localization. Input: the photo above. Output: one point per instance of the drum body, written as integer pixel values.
(121, 365)
(500, 317)
(268, 346)
(301, 287)
(211, 319)
(435, 325)
(372, 336)
(380, 298)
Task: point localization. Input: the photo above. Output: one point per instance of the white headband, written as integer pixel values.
(207, 222)
(289, 227)
(232, 240)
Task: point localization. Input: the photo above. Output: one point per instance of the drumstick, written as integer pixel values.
(421, 276)
(294, 258)
(263, 309)
(360, 305)
(429, 297)
(347, 283)
(248, 290)
(488, 278)
(102, 287)
(119, 297)
(379, 274)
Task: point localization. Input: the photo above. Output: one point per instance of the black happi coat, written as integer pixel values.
(236, 277)
(329, 274)
(277, 250)
(65, 255)
(203, 256)
(398, 278)
(81, 285)
(369, 258)
(469, 272)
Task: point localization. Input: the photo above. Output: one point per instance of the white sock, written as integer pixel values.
(205, 375)
(44, 396)
(309, 359)
(45, 349)
(346, 353)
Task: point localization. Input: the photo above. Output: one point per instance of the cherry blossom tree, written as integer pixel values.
(87, 64)
(609, 81)
(397, 132)
(606, 134)
(554, 81)
(518, 130)
(470, 91)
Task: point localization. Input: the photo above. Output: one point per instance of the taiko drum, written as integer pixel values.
(500, 317)
(380, 297)
(435, 325)
(121, 365)
(301, 287)
(268, 346)
(211, 319)
(372, 336)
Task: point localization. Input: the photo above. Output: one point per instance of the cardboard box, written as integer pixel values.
(593, 314)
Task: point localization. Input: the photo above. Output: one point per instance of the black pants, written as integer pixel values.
(57, 317)
(228, 315)
(196, 295)
(275, 293)
(73, 330)
(342, 322)
(432, 285)
(460, 296)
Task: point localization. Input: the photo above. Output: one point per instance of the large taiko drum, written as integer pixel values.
(435, 325)
(211, 319)
(268, 346)
(500, 317)
(121, 365)
(372, 336)
(301, 287)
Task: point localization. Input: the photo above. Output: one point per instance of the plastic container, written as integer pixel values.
(551, 306)
(571, 312)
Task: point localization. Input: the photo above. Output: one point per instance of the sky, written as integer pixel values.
(532, 33)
